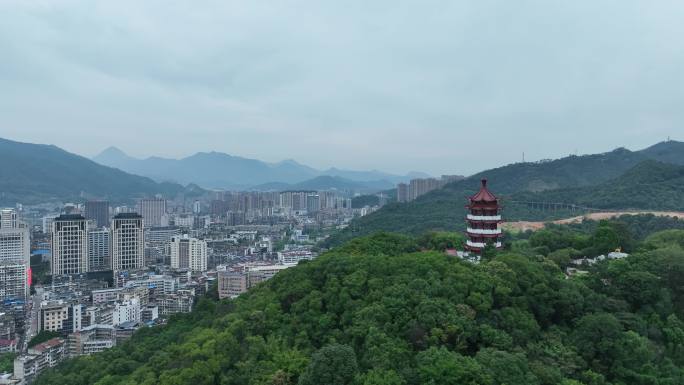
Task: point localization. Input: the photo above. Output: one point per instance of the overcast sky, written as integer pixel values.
(435, 86)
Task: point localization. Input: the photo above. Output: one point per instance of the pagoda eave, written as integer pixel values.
(484, 221)
(479, 235)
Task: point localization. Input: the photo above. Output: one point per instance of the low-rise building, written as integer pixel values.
(150, 313)
(126, 311)
(232, 283)
(60, 316)
(40, 357)
(92, 339)
(125, 330)
(292, 257)
(180, 302)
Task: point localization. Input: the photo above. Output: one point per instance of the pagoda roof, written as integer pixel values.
(484, 195)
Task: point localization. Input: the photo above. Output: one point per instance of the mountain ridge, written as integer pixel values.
(220, 170)
(40, 172)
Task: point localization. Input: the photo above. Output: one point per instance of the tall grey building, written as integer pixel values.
(128, 242)
(402, 193)
(98, 211)
(13, 280)
(418, 187)
(15, 253)
(313, 203)
(152, 210)
(15, 238)
(158, 243)
(99, 249)
(8, 218)
(69, 245)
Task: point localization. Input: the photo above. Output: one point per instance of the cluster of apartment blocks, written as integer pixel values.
(240, 207)
(236, 280)
(92, 317)
(79, 247)
(417, 187)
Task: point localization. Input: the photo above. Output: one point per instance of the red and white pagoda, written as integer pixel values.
(484, 217)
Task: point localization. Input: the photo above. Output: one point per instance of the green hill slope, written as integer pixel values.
(374, 312)
(668, 152)
(444, 209)
(650, 185)
(32, 173)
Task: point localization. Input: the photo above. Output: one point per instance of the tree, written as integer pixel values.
(43, 336)
(506, 368)
(332, 365)
(596, 337)
(7, 362)
(437, 366)
(381, 377)
(605, 239)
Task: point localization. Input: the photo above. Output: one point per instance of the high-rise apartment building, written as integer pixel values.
(99, 249)
(152, 211)
(128, 242)
(188, 253)
(8, 218)
(15, 241)
(48, 221)
(402, 193)
(13, 280)
(97, 211)
(69, 245)
(313, 203)
(15, 253)
(418, 187)
(157, 243)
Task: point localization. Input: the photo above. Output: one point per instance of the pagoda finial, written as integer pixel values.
(484, 182)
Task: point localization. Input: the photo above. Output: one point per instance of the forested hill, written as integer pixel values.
(443, 209)
(376, 312)
(650, 185)
(34, 173)
(669, 152)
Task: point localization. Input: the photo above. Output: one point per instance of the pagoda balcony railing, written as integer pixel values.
(481, 245)
(471, 217)
(484, 231)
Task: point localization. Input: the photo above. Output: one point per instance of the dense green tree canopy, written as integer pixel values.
(378, 311)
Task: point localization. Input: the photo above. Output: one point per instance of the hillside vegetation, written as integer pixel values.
(379, 311)
(650, 185)
(615, 180)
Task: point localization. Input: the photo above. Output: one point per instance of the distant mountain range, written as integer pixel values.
(574, 179)
(34, 173)
(222, 171)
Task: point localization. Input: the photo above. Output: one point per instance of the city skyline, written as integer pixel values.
(394, 87)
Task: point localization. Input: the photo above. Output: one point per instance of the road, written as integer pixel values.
(32, 319)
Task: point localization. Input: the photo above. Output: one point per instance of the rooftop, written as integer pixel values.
(70, 217)
(484, 195)
(48, 344)
(128, 216)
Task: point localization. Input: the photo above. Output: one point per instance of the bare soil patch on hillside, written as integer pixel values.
(534, 226)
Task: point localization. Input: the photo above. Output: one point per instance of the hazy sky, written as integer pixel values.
(436, 86)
